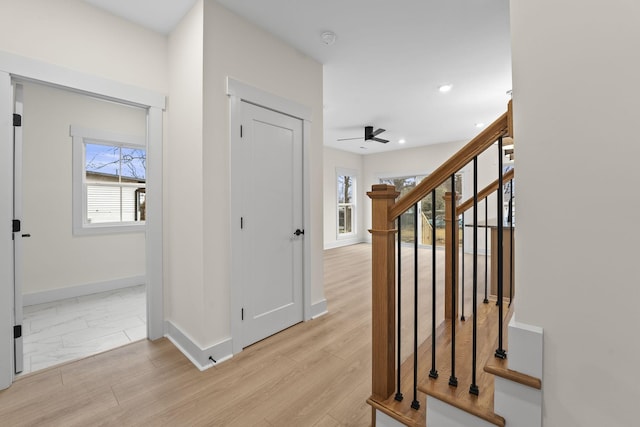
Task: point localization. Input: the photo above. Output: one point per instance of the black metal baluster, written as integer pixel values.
(399, 396)
(453, 381)
(486, 248)
(433, 373)
(415, 404)
(500, 352)
(473, 389)
(510, 242)
(462, 267)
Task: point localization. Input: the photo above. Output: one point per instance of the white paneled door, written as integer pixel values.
(271, 222)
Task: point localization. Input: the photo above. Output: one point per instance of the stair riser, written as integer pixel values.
(441, 414)
(518, 404)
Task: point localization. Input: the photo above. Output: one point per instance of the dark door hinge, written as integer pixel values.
(17, 331)
(242, 314)
(17, 120)
(15, 226)
(241, 223)
(240, 131)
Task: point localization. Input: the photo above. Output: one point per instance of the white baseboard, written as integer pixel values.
(343, 242)
(319, 309)
(197, 355)
(81, 290)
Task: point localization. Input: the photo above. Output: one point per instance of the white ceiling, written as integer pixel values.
(387, 63)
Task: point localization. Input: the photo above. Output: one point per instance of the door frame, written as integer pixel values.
(18, 306)
(15, 67)
(238, 92)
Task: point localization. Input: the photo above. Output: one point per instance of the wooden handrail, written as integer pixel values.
(456, 162)
(485, 192)
(384, 212)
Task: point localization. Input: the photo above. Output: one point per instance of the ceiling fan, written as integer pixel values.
(369, 134)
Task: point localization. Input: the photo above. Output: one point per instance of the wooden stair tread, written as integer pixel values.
(465, 401)
(487, 338)
(459, 397)
(500, 368)
(400, 411)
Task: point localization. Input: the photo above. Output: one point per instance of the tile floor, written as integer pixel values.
(74, 328)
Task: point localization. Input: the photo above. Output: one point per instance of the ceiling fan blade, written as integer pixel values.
(384, 141)
(378, 132)
(348, 139)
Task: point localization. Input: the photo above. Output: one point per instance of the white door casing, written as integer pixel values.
(271, 213)
(238, 92)
(15, 66)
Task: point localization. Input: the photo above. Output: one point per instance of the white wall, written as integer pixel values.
(232, 47)
(184, 214)
(333, 161)
(53, 257)
(407, 162)
(76, 35)
(576, 109)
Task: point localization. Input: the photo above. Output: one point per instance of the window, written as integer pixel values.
(425, 221)
(346, 203)
(109, 182)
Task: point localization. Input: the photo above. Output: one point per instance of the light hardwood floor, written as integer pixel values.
(316, 373)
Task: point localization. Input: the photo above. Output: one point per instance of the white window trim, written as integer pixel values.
(80, 136)
(354, 228)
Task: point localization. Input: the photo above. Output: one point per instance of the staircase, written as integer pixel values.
(460, 376)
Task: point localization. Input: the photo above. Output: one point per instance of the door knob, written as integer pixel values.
(298, 232)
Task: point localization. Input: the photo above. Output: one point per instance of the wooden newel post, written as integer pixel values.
(450, 246)
(383, 281)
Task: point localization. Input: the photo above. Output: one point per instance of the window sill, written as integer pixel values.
(101, 229)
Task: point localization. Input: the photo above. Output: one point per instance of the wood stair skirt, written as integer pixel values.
(459, 397)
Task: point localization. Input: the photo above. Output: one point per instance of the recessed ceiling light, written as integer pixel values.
(445, 88)
(479, 125)
(402, 141)
(328, 37)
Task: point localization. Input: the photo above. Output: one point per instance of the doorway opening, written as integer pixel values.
(80, 262)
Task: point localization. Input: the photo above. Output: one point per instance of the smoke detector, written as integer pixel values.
(328, 37)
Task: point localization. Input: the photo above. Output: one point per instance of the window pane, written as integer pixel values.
(345, 219)
(134, 163)
(102, 161)
(141, 204)
(103, 204)
(108, 168)
(345, 188)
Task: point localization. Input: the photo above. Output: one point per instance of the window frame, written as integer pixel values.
(80, 137)
(354, 205)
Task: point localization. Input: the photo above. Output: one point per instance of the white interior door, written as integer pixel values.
(272, 258)
(18, 233)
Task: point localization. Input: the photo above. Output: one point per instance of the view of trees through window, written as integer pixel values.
(115, 178)
(425, 220)
(346, 204)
